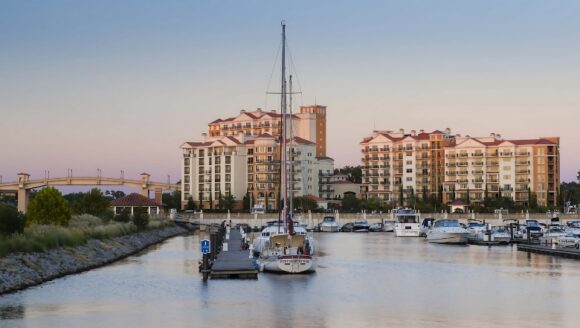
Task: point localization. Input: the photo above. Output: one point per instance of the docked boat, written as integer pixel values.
(273, 228)
(533, 227)
(497, 234)
(447, 231)
(329, 224)
(476, 229)
(407, 223)
(360, 226)
(389, 225)
(288, 250)
(573, 228)
(555, 231)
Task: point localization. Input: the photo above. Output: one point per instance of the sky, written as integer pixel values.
(120, 85)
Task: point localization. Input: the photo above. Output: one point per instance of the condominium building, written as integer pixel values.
(448, 166)
(396, 164)
(241, 157)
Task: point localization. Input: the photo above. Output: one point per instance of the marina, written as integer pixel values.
(361, 280)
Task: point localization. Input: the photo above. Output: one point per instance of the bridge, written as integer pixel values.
(24, 184)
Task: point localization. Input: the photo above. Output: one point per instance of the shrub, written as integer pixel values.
(48, 207)
(94, 202)
(124, 216)
(11, 221)
(140, 218)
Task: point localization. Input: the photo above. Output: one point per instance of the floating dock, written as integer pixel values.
(234, 263)
(548, 250)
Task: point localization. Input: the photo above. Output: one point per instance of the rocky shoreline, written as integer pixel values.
(23, 270)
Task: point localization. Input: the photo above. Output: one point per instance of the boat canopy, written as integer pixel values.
(285, 240)
(446, 223)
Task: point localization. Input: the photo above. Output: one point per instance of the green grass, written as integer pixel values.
(40, 238)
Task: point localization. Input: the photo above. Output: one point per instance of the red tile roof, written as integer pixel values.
(303, 141)
(133, 200)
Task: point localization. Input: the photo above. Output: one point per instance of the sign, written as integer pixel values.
(205, 246)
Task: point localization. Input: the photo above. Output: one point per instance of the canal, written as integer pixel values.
(363, 280)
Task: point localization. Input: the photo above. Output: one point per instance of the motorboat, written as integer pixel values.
(360, 226)
(533, 227)
(569, 240)
(407, 223)
(376, 227)
(447, 231)
(475, 229)
(389, 225)
(573, 227)
(499, 234)
(426, 225)
(329, 224)
(555, 231)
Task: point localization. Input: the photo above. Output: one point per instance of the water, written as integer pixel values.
(363, 280)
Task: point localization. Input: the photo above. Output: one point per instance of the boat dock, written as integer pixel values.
(233, 262)
(548, 250)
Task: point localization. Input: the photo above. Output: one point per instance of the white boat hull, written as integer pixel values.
(289, 264)
(447, 237)
(329, 228)
(388, 227)
(408, 230)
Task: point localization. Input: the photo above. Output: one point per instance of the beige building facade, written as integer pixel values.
(440, 164)
(241, 156)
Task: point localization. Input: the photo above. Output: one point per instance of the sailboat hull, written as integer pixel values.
(289, 264)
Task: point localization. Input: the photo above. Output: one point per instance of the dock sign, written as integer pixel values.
(205, 246)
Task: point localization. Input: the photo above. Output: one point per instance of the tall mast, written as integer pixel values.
(284, 179)
(291, 151)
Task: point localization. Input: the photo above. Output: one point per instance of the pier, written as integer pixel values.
(549, 250)
(233, 262)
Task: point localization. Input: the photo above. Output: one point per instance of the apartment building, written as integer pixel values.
(449, 166)
(241, 156)
(492, 166)
(399, 163)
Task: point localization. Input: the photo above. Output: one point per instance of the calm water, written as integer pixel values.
(363, 280)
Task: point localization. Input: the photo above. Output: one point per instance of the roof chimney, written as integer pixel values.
(447, 131)
(421, 131)
(402, 131)
(413, 133)
(242, 111)
(467, 136)
(492, 135)
(259, 110)
(204, 136)
(458, 135)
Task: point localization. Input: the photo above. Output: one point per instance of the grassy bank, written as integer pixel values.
(40, 238)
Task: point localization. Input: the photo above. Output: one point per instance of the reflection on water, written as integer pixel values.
(362, 280)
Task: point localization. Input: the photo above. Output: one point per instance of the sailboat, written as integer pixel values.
(286, 251)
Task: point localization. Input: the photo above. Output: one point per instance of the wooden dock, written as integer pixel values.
(548, 250)
(234, 263)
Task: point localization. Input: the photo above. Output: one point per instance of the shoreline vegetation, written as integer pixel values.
(68, 251)
(81, 229)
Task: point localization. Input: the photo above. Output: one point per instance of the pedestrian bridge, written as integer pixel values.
(24, 184)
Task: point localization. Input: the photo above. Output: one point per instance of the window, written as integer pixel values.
(409, 162)
(409, 178)
(409, 170)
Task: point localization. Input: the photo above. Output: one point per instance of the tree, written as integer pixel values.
(11, 221)
(401, 196)
(94, 202)
(115, 194)
(350, 203)
(305, 203)
(246, 201)
(49, 207)
(140, 218)
(172, 200)
(353, 173)
(229, 201)
(190, 204)
(124, 216)
(578, 177)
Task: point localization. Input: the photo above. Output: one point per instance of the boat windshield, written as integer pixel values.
(328, 219)
(407, 219)
(447, 224)
(475, 225)
(532, 223)
(360, 222)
